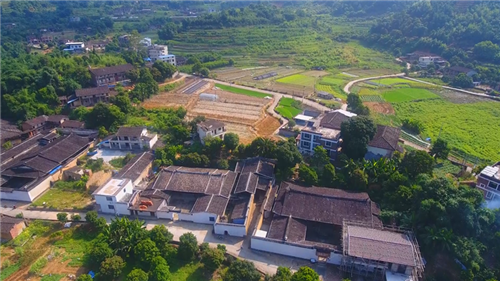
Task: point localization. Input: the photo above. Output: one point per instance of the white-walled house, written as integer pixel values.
(212, 128)
(133, 138)
(75, 46)
(114, 196)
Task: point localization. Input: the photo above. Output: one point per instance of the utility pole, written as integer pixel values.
(440, 130)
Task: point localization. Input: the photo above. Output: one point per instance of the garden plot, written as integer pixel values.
(227, 110)
(458, 97)
(174, 98)
(380, 107)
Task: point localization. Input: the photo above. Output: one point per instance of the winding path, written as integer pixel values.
(347, 88)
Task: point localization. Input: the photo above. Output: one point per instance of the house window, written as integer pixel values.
(109, 198)
(492, 185)
(306, 144)
(328, 143)
(306, 136)
(111, 207)
(481, 185)
(317, 138)
(489, 195)
(212, 218)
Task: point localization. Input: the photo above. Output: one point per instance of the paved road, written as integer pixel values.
(347, 87)
(265, 262)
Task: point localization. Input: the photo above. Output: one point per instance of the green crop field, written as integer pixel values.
(298, 79)
(331, 90)
(286, 108)
(408, 94)
(467, 127)
(242, 91)
(390, 81)
(371, 98)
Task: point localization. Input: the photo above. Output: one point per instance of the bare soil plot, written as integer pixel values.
(245, 132)
(290, 89)
(380, 107)
(267, 126)
(173, 98)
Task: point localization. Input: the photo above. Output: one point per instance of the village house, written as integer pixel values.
(306, 222)
(386, 253)
(43, 124)
(10, 133)
(110, 75)
(138, 169)
(133, 138)
(160, 52)
(211, 128)
(323, 130)
(114, 196)
(31, 167)
(96, 45)
(72, 124)
(146, 42)
(35, 125)
(91, 96)
(324, 95)
(453, 71)
(10, 227)
(384, 143)
(427, 60)
(75, 47)
(488, 181)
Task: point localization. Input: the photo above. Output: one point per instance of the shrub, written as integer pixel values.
(38, 265)
(20, 216)
(62, 217)
(76, 217)
(188, 246)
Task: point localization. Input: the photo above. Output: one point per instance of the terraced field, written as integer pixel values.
(298, 79)
(409, 94)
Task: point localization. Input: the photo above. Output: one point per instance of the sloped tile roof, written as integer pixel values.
(386, 138)
(111, 69)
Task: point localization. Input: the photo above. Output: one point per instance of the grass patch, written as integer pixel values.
(38, 265)
(467, 127)
(53, 277)
(298, 79)
(331, 90)
(61, 197)
(289, 108)
(8, 271)
(410, 94)
(190, 271)
(242, 91)
(390, 81)
(371, 98)
(445, 167)
(119, 162)
(75, 242)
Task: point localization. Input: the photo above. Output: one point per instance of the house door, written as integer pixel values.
(175, 217)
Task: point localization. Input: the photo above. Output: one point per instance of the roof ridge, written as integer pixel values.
(211, 197)
(135, 162)
(378, 240)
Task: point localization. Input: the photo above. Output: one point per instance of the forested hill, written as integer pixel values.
(447, 28)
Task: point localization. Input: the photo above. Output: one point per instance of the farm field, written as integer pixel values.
(408, 94)
(298, 79)
(242, 91)
(287, 109)
(463, 125)
(371, 98)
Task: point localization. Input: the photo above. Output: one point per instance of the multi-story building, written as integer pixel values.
(160, 52)
(488, 181)
(75, 47)
(114, 196)
(110, 75)
(323, 130)
(91, 96)
(212, 128)
(133, 138)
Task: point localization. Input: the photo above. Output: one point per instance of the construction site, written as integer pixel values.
(243, 115)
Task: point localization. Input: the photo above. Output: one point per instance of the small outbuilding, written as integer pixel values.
(11, 227)
(209, 97)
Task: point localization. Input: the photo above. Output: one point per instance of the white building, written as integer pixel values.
(145, 42)
(168, 58)
(425, 61)
(323, 130)
(211, 128)
(75, 46)
(132, 138)
(156, 51)
(114, 196)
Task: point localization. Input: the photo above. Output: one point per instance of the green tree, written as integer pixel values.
(242, 270)
(440, 149)
(76, 217)
(308, 175)
(84, 277)
(137, 275)
(196, 67)
(320, 158)
(166, 69)
(282, 274)
(108, 116)
(416, 162)
(462, 81)
(161, 236)
(123, 234)
(111, 268)
(188, 247)
(98, 253)
(7, 145)
(212, 259)
(159, 270)
(358, 180)
(328, 176)
(288, 156)
(231, 141)
(204, 72)
(356, 133)
(123, 102)
(80, 113)
(102, 132)
(168, 31)
(222, 164)
(62, 217)
(486, 50)
(305, 273)
(213, 146)
(145, 251)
